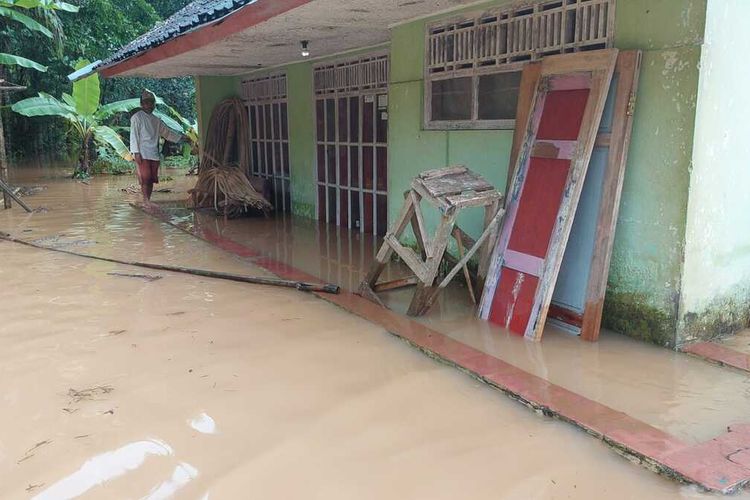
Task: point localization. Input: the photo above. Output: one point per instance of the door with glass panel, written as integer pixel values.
(351, 115)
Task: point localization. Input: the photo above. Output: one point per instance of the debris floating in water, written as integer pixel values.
(89, 394)
(147, 277)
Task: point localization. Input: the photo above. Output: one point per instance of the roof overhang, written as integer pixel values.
(85, 71)
(268, 33)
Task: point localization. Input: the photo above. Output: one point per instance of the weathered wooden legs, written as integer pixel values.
(430, 253)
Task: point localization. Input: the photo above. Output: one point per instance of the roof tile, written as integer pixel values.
(192, 16)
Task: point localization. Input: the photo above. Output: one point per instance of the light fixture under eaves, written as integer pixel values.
(305, 50)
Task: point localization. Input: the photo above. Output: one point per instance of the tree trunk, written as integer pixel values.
(84, 155)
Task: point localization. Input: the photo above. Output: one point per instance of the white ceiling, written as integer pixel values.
(331, 26)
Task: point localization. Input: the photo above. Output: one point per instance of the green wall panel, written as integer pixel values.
(301, 138)
(649, 241)
(659, 24)
(210, 91)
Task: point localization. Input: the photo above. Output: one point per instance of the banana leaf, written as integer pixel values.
(86, 92)
(27, 21)
(44, 105)
(12, 60)
(105, 135)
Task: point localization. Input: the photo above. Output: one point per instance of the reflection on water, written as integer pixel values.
(182, 475)
(203, 424)
(105, 467)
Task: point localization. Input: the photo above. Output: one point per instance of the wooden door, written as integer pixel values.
(546, 187)
(352, 160)
(266, 99)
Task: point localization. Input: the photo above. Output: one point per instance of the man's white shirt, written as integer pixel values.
(145, 130)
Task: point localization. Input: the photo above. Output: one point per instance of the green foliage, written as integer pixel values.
(166, 8)
(178, 92)
(81, 111)
(45, 105)
(11, 10)
(106, 163)
(103, 26)
(27, 21)
(98, 29)
(86, 92)
(80, 174)
(13, 60)
(180, 161)
(39, 4)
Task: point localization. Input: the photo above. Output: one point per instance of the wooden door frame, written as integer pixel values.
(341, 91)
(627, 70)
(600, 65)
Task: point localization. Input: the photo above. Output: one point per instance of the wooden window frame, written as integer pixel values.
(522, 42)
(474, 122)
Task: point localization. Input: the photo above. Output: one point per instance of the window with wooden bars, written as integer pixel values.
(473, 64)
(266, 99)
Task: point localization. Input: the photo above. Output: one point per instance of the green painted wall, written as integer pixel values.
(716, 281)
(646, 282)
(302, 138)
(645, 277)
(646, 270)
(413, 149)
(210, 91)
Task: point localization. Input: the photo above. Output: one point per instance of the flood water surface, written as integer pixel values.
(118, 387)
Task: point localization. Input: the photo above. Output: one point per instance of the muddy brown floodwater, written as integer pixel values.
(121, 387)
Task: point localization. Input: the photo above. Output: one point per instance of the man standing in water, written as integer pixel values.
(145, 131)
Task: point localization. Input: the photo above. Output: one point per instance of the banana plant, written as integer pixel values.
(84, 113)
(189, 130)
(12, 10)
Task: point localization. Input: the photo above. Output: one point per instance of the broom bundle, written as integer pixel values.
(225, 160)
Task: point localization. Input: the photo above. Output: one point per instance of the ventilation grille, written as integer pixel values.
(512, 35)
(366, 73)
(264, 89)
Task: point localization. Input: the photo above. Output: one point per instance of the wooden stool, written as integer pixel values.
(449, 190)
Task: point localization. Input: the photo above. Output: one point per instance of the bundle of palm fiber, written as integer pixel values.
(227, 190)
(223, 182)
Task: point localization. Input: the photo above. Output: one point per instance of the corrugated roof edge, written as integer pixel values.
(191, 17)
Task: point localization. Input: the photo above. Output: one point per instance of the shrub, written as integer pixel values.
(111, 165)
(180, 161)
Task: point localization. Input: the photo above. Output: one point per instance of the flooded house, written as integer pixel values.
(152, 349)
(348, 101)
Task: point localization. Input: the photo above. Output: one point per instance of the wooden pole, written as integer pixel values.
(8, 191)
(256, 280)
